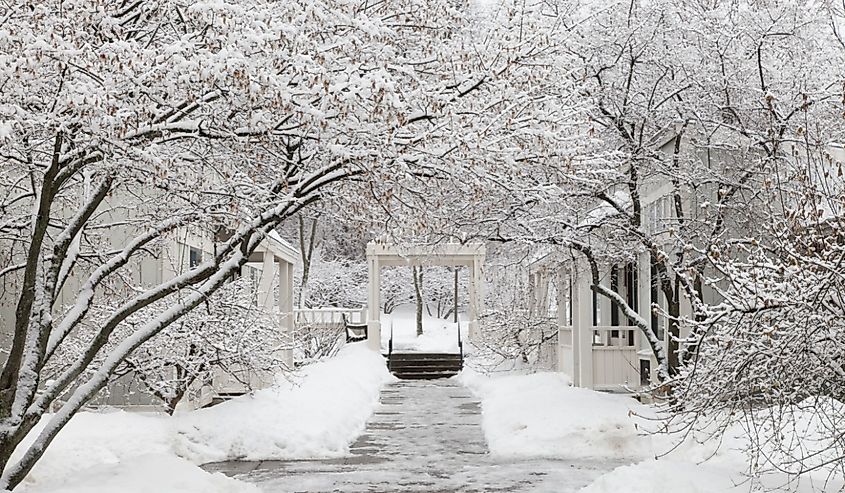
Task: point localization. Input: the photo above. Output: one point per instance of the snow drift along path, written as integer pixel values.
(318, 413)
(541, 415)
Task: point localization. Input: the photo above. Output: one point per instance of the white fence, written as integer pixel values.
(328, 317)
(613, 360)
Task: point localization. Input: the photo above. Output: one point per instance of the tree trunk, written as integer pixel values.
(418, 282)
(306, 249)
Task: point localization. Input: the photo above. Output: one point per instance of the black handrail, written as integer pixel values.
(460, 344)
(390, 342)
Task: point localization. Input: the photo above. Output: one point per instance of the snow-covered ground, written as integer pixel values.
(439, 335)
(317, 413)
(541, 415)
(325, 407)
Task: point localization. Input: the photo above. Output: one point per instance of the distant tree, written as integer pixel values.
(417, 273)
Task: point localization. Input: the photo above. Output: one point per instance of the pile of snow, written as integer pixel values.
(315, 414)
(542, 415)
(94, 439)
(146, 473)
(673, 475)
(663, 476)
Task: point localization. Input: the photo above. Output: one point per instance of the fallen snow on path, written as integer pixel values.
(317, 413)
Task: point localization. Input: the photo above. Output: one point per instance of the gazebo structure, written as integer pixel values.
(379, 255)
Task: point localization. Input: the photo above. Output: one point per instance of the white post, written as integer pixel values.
(604, 302)
(374, 304)
(543, 300)
(266, 302)
(286, 310)
(582, 327)
(532, 293)
(644, 292)
(476, 297)
(265, 283)
(564, 340)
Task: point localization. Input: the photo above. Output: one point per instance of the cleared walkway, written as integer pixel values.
(425, 436)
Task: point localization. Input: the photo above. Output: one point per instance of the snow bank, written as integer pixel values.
(146, 473)
(663, 476)
(317, 413)
(542, 415)
(98, 439)
(672, 476)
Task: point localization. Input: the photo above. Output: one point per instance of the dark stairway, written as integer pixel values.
(424, 366)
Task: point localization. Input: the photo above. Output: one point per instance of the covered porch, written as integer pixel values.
(597, 345)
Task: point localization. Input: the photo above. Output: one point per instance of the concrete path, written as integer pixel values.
(425, 436)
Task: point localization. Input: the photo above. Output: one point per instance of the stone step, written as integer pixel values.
(423, 362)
(414, 354)
(423, 369)
(425, 375)
(424, 366)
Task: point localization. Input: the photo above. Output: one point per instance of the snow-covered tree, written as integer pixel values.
(123, 123)
(228, 335)
(698, 103)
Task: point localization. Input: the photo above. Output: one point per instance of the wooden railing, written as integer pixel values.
(614, 359)
(328, 317)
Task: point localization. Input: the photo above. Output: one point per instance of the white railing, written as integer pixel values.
(328, 317)
(615, 359)
(618, 337)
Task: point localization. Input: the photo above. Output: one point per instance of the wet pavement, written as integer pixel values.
(425, 436)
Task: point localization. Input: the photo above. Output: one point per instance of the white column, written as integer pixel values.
(582, 327)
(532, 293)
(644, 289)
(476, 297)
(564, 336)
(543, 308)
(604, 301)
(374, 304)
(265, 283)
(266, 303)
(286, 310)
(644, 299)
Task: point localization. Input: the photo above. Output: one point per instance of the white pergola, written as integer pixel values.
(448, 254)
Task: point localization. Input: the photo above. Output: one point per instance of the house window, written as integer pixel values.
(194, 257)
(659, 214)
